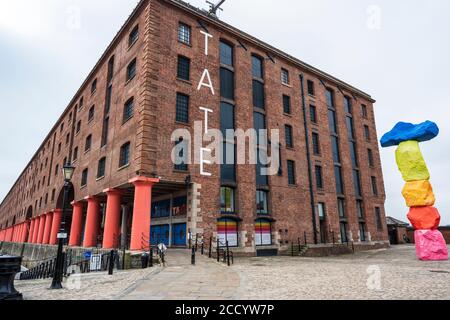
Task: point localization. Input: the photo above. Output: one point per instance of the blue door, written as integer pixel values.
(179, 235)
(159, 234)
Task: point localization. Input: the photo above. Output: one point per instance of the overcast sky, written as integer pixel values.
(398, 51)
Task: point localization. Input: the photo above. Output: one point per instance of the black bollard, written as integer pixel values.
(228, 254)
(9, 267)
(151, 258)
(218, 250)
(203, 248)
(111, 263)
(210, 248)
(193, 257)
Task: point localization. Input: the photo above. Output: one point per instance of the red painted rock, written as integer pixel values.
(430, 245)
(424, 218)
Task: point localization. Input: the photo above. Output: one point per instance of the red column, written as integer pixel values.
(10, 236)
(77, 224)
(41, 229)
(36, 229)
(56, 224)
(13, 234)
(92, 222)
(111, 233)
(30, 234)
(23, 237)
(48, 228)
(19, 232)
(140, 230)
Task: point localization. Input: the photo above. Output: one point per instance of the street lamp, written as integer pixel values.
(68, 170)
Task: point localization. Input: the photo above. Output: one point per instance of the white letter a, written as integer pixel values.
(202, 81)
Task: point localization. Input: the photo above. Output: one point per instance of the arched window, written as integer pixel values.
(263, 232)
(227, 230)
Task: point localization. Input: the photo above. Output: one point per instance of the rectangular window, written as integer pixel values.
(284, 76)
(311, 90)
(353, 154)
(262, 207)
(341, 208)
(182, 108)
(134, 36)
(257, 67)
(316, 143)
(75, 154)
(93, 87)
(350, 128)
(367, 133)
(370, 156)
(291, 173)
(321, 210)
(364, 111)
(348, 105)
(226, 117)
(226, 54)
(289, 136)
(226, 84)
(360, 209)
(124, 155)
(362, 232)
(184, 33)
(335, 149)
(378, 219)
(357, 183)
(319, 177)
(84, 177)
(101, 168)
(261, 179)
(343, 229)
(227, 200)
(131, 70)
(258, 94)
(228, 167)
(108, 99)
(184, 68)
(182, 165)
(259, 123)
(78, 126)
(374, 186)
(286, 104)
(330, 98)
(332, 122)
(339, 180)
(128, 110)
(105, 131)
(110, 69)
(313, 113)
(88, 144)
(91, 113)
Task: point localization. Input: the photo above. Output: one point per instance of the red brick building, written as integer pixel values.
(117, 132)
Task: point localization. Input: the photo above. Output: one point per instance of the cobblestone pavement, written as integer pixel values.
(383, 274)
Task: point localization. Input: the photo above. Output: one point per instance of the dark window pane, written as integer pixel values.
(343, 228)
(182, 111)
(257, 67)
(108, 99)
(226, 54)
(88, 143)
(319, 177)
(289, 136)
(262, 207)
(378, 219)
(353, 154)
(371, 159)
(284, 76)
(335, 149)
(105, 131)
(360, 209)
(313, 113)
(330, 98)
(311, 87)
(259, 123)
(182, 166)
(226, 117)
(91, 113)
(227, 83)
(339, 181)
(227, 201)
(101, 168)
(291, 172)
(110, 69)
(332, 121)
(350, 128)
(84, 177)
(124, 155)
(128, 110)
(286, 104)
(261, 180)
(341, 208)
(184, 33)
(131, 70)
(134, 35)
(362, 232)
(357, 183)
(364, 111)
(348, 105)
(316, 143)
(258, 94)
(94, 86)
(184, 68)
(367, 133)
(228, 168)
(374, 186)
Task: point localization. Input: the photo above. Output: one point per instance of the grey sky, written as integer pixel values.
(402, 61)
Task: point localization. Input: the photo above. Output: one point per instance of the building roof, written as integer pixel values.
(395, 222)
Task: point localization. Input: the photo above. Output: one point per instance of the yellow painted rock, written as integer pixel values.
(419, 194)
(410, 162)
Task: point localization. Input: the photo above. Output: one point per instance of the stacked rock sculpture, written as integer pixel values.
(418, 192)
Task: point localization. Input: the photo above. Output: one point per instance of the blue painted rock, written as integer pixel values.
(403, 131)
(410, 162)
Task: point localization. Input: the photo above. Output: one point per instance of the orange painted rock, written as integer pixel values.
(430, 245)
(424, 218)
(419, 194)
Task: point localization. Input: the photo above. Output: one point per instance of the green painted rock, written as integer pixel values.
(410, 162)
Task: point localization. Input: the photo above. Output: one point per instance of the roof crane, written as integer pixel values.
(214, 7)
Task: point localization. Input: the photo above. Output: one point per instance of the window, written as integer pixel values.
(360, 209)
(59, 147)
(364, 111)
(181, 163)
(316, 143)
(161, 209)
(353, 154)
(101, 168)
(335, 149)
(81, 103)
(75, 154)
(341, 208)
(227, 83)
(319, 177)
(124, 155)
(88, 144)
(289, 136)
(330, 97)
(357, 183)
(182, 108)
(108, 99)
(343, 229)
(70, 117)
(56, 170)
(227, 232)
(286, 104)
(91, 114)
(184, 33)
(226, 54)
(284, 76)
(348, 105)
(84, 177)
(378, 219)
(263, 232)
(105, 130)
(79, 126)
(53, 195)
(67, 138)
(350, 128)
(93, 87)
(134, 36)
(228, 167)
(258, 94)
(291, 172)
(313, 113)
(257, 67)
(110, 69)
(367, 133)
(339, 180)
(61, 129)
(227, 200)
(311, 87)
(321, 210)
(226, 117)
(370, 156)
(362, 232)
(332, 122)
(259, 124)
(374, 186)
(262, 207)
(128, 110)
(184, 68)
(131, 70)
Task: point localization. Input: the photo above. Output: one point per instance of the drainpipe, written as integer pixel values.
(308, 156)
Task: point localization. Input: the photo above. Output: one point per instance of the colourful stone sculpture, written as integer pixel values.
(418, 192)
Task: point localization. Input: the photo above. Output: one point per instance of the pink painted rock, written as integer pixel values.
(430, 245)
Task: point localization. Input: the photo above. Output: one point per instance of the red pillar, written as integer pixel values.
(36, 229)
(48, 228)
(111, 233)
(140, 230)
(41, 229)
(19, 233)
(56, 224)
(13, 238)
(24, 235)
(77, 224)
(30, 234)
(92, 222)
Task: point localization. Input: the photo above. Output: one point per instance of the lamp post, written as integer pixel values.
(68, 170)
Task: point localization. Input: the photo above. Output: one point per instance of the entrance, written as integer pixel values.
(179, 234)
(159, 234)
